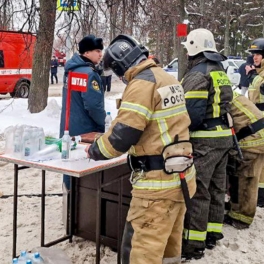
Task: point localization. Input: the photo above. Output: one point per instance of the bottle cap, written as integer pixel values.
(66, 132)
(108, 113)
(37, 255)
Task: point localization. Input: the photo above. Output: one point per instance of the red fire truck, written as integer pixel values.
(61, 57)
(16, 56)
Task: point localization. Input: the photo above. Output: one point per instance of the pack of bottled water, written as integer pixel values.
(23, 141)
(28, 258)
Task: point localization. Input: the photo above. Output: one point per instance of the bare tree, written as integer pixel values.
(37, 100)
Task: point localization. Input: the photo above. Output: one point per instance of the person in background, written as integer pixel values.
(152, 122)
(244, 174)
(53, 69)
(107, 79)
(87, 113)
(208, 93)
(244, 80)
(256, 92)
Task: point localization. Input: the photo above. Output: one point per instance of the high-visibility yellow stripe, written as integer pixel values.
(137, 108)
(170, 112)
(214, 227)
(194, 235)
(196, 94)
(164, 134)
(219, 79)
(162, 185)
(241, 217)
(103, 149)
(251, 143)
(210, 134)
(149, 115)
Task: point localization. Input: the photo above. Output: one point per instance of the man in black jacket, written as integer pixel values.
(53, 69)
(244, 81)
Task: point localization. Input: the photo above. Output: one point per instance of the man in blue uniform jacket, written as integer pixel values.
(87, 112)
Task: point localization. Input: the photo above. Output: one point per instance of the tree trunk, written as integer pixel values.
(181, 51)
(38, 95)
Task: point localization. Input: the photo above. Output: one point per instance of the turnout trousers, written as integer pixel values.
(244, 187)
(207, 209)
(153, 232)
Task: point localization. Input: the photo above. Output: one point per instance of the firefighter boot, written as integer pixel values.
(260, 197)
(126, 243)
(211, 239)
(190, 251)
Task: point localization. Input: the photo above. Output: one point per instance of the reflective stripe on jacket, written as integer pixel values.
(244, 113)
(208, 94)
(152, 115)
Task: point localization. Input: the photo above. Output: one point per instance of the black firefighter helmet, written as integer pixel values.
(123, 52)
(257, 46)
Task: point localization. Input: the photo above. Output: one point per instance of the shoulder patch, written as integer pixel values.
(95, 85)
(171, 95)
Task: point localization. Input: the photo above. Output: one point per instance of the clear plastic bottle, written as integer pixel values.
(37, 258)
(23, 257)
(17, 143)
(34, 140)
(15, 261)
(108, 121)
(9, 134)
(27, 142)
(65, 146)
(41, 139)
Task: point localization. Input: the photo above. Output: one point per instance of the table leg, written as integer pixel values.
(98, 217)
(71, 216)
(43, 190)
(119, 232)
(15, 210)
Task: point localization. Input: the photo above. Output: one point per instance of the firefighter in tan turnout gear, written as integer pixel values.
(256, 93)
(244, 174)
(208, 94)
(152, 125)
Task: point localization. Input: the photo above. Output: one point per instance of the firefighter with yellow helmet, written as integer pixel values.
(208, 95)
(256, 93)
(152, 125)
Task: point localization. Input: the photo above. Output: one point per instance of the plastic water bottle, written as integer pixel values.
(23, 257)
(18, 146)
(41, 138)
(34, 140)
(65, 146)
(37, 258)
(108, 121)
(27, 142)
(15, 261)
(29, 261)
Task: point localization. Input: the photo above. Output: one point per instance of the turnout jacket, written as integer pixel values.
(208, 93)
(256, 87)
(244, 113)
(152, 115)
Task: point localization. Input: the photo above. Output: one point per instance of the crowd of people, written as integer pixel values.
(182, 140)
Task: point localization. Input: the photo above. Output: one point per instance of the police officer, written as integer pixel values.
(256, 93)
(248, 125)
(208, 94)
(152, 125)
(87, 112)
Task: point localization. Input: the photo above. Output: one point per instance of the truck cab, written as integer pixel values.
(16, 57)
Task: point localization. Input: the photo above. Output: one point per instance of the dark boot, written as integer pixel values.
(235, 223)
(126, 243)
(191, 252)
(211, 239)
(260, 197)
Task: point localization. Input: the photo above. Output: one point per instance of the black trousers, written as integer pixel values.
(107, 82)
(53, 75)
